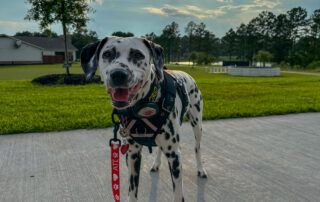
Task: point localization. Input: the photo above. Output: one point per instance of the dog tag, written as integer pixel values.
(124, 148)
(124, 132)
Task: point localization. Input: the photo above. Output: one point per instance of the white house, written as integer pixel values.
(33, 50)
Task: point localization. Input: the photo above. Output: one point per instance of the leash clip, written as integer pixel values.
(115, 138)
(115, 130)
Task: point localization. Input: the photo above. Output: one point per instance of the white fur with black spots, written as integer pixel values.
(128, 67)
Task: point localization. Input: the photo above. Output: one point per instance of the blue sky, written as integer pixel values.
(145, 16)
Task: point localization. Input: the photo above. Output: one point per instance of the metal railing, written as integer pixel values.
(217, 70)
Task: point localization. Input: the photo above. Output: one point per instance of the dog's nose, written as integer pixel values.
(119, 77)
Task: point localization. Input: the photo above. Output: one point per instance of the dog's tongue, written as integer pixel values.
(120, 94)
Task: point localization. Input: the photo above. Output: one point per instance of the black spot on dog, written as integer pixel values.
(161, 148)
(170, 125)
(192, 91)
(173, 154)
(131, 141)
(135, 56)
(196, 150)
(192, 124)
(134, 156)
(136, 180)
(145, 64)
(119, 41)
(123, 65)
(195, 95)
(137, 146)
(178, 138)
(168, 155)
(174, 140)
(167, 136)
(175, 165)
(131, 183)
(169, 147)
(174, 115)
(188, 116)
(197, 119)
(127, 159)
(200, 97)
(137, 169)
(173, 184)
(176, 173)
(110, 55)
(196, 89)
(197, 105)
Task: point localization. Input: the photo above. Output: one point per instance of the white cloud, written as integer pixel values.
(99, 2)
(193, 8)
(191, 11)
(95, 1)
(15, 26)
(267, 3)
(224, 1)
(168, 10)
(230, 12)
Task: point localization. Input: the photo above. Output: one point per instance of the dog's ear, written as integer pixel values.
(89, 57)
(156, 52)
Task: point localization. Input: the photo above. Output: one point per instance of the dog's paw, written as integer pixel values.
(202, 173)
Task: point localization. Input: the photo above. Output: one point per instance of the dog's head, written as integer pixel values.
(125, 66)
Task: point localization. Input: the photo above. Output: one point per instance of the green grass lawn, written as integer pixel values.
(302, 70)
(22, 72)
(26, 107)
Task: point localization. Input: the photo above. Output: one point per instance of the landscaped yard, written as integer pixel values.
(26, 107)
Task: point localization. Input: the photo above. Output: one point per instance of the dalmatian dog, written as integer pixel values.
(128, 66)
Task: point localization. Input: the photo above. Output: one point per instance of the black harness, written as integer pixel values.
(143, 122)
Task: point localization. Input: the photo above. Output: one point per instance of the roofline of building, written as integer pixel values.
(16, 39)
(13, 38)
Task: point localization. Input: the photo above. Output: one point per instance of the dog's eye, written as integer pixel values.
(107, 54)
(138, 55)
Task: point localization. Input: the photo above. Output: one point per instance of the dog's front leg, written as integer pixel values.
(133, 158)
(175, 166)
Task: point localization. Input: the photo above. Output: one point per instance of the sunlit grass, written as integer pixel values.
(26, 107)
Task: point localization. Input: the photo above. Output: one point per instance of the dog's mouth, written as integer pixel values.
(124, 94)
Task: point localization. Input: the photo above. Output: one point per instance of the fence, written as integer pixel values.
(217, 70)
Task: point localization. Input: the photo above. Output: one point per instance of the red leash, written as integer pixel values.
(115, 145)
(115, 171)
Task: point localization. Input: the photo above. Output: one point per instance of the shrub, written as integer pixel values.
(201, 58)
(314, 65)
(263, 56)
(61, 79)
(297, 67)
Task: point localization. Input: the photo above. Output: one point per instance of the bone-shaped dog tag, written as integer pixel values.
(124, 132)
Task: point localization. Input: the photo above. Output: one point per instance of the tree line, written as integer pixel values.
(290, 38)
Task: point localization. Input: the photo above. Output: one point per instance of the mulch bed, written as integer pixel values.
(64, 79)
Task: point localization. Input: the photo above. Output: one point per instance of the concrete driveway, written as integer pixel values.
(274, 158)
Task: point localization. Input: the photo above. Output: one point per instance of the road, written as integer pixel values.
(275, 158)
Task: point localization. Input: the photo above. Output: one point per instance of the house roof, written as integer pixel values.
(52, 44)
